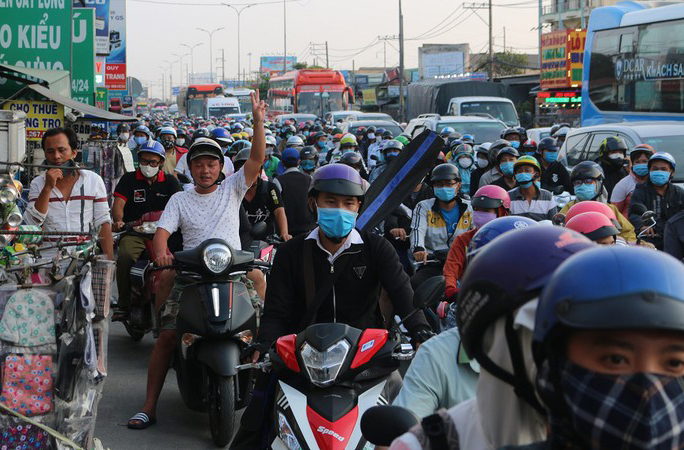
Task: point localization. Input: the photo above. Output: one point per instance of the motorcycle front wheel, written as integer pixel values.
(221, 408)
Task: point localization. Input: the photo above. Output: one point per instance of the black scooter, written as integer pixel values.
(216, 321)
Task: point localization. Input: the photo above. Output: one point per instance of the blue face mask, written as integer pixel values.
(307, 165)
(524, 179)
(445, 194)
(515, 144)
(659, 177)
(507, 167)
(336, 223)
(550, 157)
(322, 145)
(640, 169)
(585, 191)
(140, 140)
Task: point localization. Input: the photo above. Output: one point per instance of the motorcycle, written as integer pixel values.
(216, 321)
(330, 374)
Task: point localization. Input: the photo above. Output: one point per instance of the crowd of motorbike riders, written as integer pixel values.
(532, 346)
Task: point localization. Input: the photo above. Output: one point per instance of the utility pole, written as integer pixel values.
(284, 36)
(327, 61)
(318, 51)
(192, 58)
(475, 7)
(223, 64)
(384, 50)
(504, 39)
(401, 64)
(249, 60)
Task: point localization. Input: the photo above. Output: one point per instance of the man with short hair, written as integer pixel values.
(294, 187)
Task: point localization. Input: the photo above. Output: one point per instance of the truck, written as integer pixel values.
(499, 108)
(12, 138)
(220, 106)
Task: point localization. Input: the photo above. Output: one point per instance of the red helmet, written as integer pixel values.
(491, 197)
(592, 206)
(593, 225)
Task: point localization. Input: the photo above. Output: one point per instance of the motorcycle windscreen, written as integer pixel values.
(396, 183)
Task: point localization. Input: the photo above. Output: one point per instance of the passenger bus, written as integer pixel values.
(309, 91)
(634, 64)
(191, 98)
(243, 97)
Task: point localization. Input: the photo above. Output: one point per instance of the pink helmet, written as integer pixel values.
(491, 197)
(593, 225)
(592, 206)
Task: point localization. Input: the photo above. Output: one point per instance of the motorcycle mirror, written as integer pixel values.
(374, 157)
(647, 216)
(559, 219)
(183, 178)
(259, 231)
(429, 292)
(380, 425)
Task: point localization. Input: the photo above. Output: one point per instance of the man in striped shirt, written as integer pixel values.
(68, 199)
(528, 199)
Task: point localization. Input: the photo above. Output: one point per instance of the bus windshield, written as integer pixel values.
(319, 103)
(223, 110)
(502, 111)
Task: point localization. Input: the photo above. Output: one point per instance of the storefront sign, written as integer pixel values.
(83, 53)
(101, 9)
(40, 116)
(566, 99)
(562, 59)
(115, 77)
(101, 97)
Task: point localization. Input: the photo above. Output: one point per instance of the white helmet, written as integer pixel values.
(295, 141)
(249, 132)
(271, 140)
(168, 130)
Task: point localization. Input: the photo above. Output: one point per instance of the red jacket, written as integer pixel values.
(456, 261)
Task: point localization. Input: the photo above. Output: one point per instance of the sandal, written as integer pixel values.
(143, 421)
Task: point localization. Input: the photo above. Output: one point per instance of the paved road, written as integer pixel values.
(124, 392)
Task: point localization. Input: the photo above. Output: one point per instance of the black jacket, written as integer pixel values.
(664, 207)
(354, 297)
(556, 175)
(401, 217)
(613, 174)
(674, 236)
(294, 188)
(475, 178)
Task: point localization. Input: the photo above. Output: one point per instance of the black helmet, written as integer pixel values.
(201, 133)
(586, 169)
(319, 135)
(288, 129)
(339, 179)
(205, 147)
(387, 133)
(241, 158)
(529, 146)
(352, 159)
(122, 127)
(548, 143)
(317, 128)
(522, 132)
(507, 151)
(446, 171)
(392, 144)
(308, 152)
(509, 131)
(495, 147)
(371, 129)
(611, 144)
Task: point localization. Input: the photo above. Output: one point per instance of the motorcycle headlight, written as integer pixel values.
(217, 257)
(324, 366)
(286, 434)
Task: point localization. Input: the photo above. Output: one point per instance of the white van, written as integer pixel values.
(499, 108)
(220, 106)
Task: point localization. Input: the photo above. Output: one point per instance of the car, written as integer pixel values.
(482, 129)
(370, 116)
(334, 116)
(236, 116)
(499, 108)
(537, 134)
(582, 144)
(299, 118)
(351, 126)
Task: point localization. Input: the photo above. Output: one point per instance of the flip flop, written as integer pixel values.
(144, 421)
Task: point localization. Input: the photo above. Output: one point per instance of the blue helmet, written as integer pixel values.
(468, 139)
(143, 129)
(663, 156)
(446, 131)
(221, 134)
(610, 288)
(494, 229)
(153, 147)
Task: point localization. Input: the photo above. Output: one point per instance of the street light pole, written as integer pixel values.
(284, 36)
(192, 57)
(401, 63)
(211, 57)
(180, 71)
(239, 12)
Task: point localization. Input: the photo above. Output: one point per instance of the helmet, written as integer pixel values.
(271, 140)
(548, 144)
(122, 127)
(529, 146)
(510, 131)
(403, 139)
(242, 156)
(239, 145)
(294, 141)
(352, 159)
(468, 139)
(181, 132)
(641, 149)
(308, 152)
(392, 144)
(337, 137)
(237, 128)
(461, 148)
(640, 289)
(527, 160)
(446, 171)
(663, 156)
(249, 131)
(494, 148)
(592, 206)
(495, 228)
(496, 284)
(562, 133)
(319, 135)
(288, 129)
(143, 129)
(611, 144)
(153, 147)
(220, 134)
(200, 133)
(244, 135)
(586, 169)
(337, 179)
(348, 139)
(446, 131)
(168, 130)
(522, 132)
(507, 151)
(553, 129)
(491, 197)
(236, 136)
(387, 134)
(205, 147)
(593, 225)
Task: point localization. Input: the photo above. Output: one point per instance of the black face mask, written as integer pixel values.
(167, 144)
(67, 172)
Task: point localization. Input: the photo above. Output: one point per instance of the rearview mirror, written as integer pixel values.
(430, 292)
(183, 178)
(647, 216)
(559, 219)
(380, 425)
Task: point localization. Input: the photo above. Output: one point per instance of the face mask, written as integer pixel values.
(615, 156)
(528, 153)
(390, 156)
(550, 157)
(140, 140)
(64, 167)
(336, 223)
(124, 136)
(180, 141)
(506, 167)
(480, 218)
(482, 162)
(323, 145)
(640, 169)
(465, 162)
(515, 144)
(524, 179)
(445, 194)
(585, 191)
(149, 171)
(307, 165)
(659, 177)
(632, 411)
(167, 144)
(371, 136)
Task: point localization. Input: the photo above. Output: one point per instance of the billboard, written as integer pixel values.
(83, 51)
(101, 8)
(40, 116)
(562, 59)
(446, 63)
(115, 77)
(115, 67)
(270, 64)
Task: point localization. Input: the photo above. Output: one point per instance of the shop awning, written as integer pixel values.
(87, 110)
(57, 80)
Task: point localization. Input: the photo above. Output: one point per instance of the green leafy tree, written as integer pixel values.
(509, 63)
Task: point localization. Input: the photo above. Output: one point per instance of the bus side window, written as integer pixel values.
(573, 148)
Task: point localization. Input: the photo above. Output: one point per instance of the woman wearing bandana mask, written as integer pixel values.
(610, 360)
(167, 137)
(612, 154)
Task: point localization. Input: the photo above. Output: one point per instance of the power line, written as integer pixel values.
(163, 2)
(373, 43)
(448, 29)
(443, 20)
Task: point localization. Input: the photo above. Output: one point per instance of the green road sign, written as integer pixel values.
(101, 97)
(83, 56)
